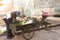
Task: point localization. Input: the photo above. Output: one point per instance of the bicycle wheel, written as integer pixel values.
(48, 27)
(28, 32)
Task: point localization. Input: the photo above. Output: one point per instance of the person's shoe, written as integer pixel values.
(10, 37)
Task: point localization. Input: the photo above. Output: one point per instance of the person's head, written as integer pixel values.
(45, 14)
(15, 14)
(42, 11)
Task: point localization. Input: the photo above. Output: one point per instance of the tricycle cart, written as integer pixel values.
(27, 30)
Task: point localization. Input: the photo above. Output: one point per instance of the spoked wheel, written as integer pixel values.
(48, 27)
(28, 33)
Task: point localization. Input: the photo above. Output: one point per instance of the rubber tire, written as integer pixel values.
(48, 28)
(24, 33)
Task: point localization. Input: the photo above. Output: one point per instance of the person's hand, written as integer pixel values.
(5, 20)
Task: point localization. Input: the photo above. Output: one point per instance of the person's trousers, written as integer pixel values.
(9, 31)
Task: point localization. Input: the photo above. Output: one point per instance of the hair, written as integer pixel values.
(17, 13)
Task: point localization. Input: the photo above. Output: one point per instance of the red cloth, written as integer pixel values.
(45, 14)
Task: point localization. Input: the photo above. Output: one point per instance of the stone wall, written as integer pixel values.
(36, 6)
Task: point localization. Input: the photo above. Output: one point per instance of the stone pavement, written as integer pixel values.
(53, 34)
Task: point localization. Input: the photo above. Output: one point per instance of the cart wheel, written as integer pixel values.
(28, 33)
(48, 27)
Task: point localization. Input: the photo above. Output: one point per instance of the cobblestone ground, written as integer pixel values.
(53, 34)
